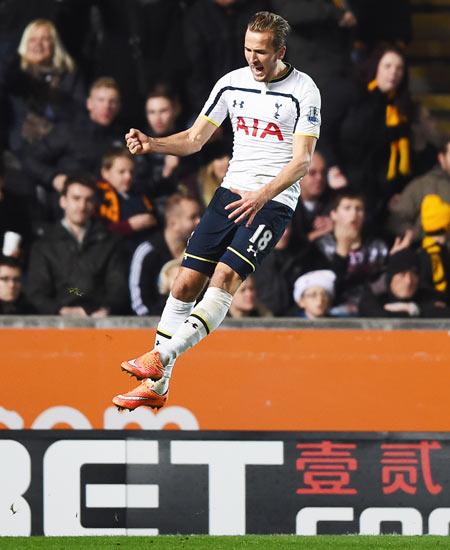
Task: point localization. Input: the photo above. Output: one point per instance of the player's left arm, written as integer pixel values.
(252, 201)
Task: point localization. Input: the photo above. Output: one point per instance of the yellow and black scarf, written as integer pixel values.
(433, 249)
(400, 148)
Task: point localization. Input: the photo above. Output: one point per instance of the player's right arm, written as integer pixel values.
(181, 144)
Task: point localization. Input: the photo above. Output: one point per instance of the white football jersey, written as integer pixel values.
(265, 117)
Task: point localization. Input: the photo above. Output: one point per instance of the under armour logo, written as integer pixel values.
(241, 103)
(254, 251)
(194, 325)
(277, 106)
(158, 342)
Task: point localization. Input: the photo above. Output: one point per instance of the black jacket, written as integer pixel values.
(64, 273)
(354, 136)
(148, 259)
(429, 305)
(52, 97)
(21, 306)
(70, 148)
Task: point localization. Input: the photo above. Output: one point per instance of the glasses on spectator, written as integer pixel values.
(6, 279)
(314, 293)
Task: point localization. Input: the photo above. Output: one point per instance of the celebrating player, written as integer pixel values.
(275, 114)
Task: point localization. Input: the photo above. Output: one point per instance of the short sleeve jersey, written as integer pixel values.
(265, 117)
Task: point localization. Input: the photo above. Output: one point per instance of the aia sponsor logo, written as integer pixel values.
(271, 129)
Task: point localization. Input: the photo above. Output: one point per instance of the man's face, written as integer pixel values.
(161, 115)
(313, 184)
(404, 284)
(185, 218)
(120, 175)
(316, 302)
(261, 56)
(10, 283)
(349, 214)
(78, 204)
(444, 159)
(103, 105)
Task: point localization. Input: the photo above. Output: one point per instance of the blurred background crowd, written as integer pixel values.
(88, 230)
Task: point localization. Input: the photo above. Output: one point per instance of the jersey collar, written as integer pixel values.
(290, 68)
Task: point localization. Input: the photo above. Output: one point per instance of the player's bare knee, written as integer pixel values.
(188, 284)
(226, 278)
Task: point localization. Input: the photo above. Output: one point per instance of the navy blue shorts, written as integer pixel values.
(218, 239)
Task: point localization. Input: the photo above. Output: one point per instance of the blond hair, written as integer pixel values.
(265, 21)
(61, 58)
(104, 82)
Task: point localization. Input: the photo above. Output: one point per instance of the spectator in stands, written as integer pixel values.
(213, 35)
(365, 135)
(275, 276)
(77, 268)
(210, 176)
(402, 295)
(354, 257)
(245, 302)
(12, 300)
(157, 175)
(405, 207)
(313, 294)
(80, 145)
(40, 86)
(182, 214)
(434, 254)
(311, 218)
(167, 276)
(126, 212)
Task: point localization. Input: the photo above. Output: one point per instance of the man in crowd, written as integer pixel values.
(78, 146)
(12, 300)
(77, 267)
(182, 215)
(405, 207)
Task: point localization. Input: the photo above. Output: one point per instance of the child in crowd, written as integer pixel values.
(126, 212)
(314, 293)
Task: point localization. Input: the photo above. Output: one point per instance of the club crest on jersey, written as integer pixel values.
(313, 115)
(236, 102)
(277, 107)
(271, 129)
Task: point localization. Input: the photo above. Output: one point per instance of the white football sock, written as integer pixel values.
(206, 316)
(173, 316)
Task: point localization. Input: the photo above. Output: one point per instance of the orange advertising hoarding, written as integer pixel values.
(237, 379)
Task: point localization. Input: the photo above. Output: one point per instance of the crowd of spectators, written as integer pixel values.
(99, 232)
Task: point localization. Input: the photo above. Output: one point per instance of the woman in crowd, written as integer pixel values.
(366, 131)
(40, 87)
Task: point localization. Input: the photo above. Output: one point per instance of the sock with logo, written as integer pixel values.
(206, 316)
(173, 316)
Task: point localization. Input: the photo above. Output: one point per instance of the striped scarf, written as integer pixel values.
(400, 148)
(433, 249)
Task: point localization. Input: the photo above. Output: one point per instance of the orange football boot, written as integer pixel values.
(142, 396)
(145, 366)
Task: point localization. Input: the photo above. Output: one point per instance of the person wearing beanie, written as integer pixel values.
(434, 255)
(403, 293)
(314, 293)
